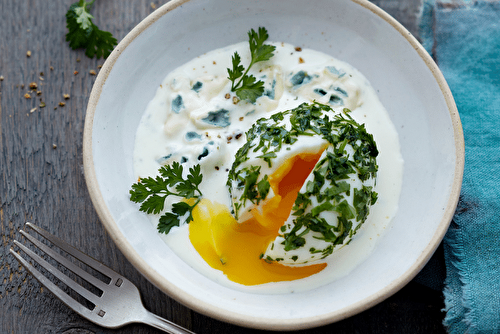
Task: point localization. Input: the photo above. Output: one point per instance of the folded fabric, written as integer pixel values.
(464, 38)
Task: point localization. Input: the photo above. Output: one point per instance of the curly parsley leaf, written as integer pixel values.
(152, 193)
(248, 88)
(167, 221)
(83, 33)
(259, 50)
(237, 70)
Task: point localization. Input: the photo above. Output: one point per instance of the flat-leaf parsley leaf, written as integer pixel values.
(248, 88)
(152, 193)
(82, 33)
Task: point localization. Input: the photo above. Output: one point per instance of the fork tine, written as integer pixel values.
(65, 262)
(59, 274)
(74, 252)
(63, 296)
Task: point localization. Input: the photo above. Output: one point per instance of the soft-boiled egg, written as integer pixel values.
(298, 191)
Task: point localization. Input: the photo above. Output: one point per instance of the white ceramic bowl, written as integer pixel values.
(409, 85)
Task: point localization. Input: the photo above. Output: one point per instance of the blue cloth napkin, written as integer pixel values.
(464, 39)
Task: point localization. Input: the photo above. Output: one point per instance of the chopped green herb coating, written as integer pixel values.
(329, 188)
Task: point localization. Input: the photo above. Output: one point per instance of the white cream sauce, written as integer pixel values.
(204, 126)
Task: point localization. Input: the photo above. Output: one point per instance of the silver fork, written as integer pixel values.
(120, 303)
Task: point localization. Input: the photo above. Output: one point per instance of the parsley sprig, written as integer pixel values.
(82, 33)
(152, 193)
(247, 87)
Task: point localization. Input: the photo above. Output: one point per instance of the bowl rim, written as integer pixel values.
(235, 318)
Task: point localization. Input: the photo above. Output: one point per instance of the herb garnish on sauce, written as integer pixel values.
(152, 193)
(247, 88)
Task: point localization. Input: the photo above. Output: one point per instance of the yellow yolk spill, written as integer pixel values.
(236, 248)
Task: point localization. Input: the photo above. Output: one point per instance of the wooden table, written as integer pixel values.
(42, 177)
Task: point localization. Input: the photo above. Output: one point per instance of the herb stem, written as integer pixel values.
(233, 86)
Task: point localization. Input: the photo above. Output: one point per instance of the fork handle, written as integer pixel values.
(167, 326)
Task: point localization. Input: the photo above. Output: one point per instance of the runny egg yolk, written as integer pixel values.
(237, 248)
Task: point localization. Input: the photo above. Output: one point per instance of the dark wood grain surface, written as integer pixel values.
(42, 177)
